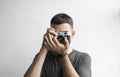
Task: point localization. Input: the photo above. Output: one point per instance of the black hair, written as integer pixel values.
(60, 19)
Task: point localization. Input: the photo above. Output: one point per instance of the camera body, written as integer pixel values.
(61, 36)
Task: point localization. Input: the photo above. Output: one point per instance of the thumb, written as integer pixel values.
(66, 42)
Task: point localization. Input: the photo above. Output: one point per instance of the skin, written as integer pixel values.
(51, 38)
(50, 42)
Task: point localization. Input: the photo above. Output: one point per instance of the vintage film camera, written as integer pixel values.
(61, 36)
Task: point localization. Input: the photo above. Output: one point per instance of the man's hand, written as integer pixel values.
(52, 43)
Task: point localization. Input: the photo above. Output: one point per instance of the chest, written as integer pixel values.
(52, 68)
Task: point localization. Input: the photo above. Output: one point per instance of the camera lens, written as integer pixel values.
(61, 39)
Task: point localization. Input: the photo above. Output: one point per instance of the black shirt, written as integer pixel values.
(80, 61)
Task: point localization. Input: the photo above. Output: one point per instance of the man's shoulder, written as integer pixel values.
(81, 57)
(80, 54)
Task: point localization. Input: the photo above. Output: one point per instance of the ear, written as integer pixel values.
(73, 33)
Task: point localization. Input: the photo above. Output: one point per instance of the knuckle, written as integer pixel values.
(44, 35)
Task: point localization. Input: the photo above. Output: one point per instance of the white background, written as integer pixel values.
(23, 23)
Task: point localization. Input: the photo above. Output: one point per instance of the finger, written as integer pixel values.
(48, 42)
(50, 37)
(52, 28)
(56, 41)
(46, 45)
(51, 31)
(66, 42)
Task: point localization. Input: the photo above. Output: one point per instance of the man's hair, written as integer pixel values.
(60, 19)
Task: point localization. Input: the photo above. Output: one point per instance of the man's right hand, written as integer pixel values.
(52, 43)
(50, 31)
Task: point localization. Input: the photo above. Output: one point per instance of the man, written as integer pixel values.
(56, 58)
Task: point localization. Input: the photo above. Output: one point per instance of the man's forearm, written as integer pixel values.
(67, 68)
(36, 67)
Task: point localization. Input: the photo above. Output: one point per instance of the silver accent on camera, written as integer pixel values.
(64, 33)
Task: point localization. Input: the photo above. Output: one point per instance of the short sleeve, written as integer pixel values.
(84, 66)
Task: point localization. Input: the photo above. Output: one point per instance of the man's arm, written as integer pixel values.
(83, 68)
(67, 67)
(36, 67)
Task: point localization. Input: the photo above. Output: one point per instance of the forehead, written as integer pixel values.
(62, 27)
